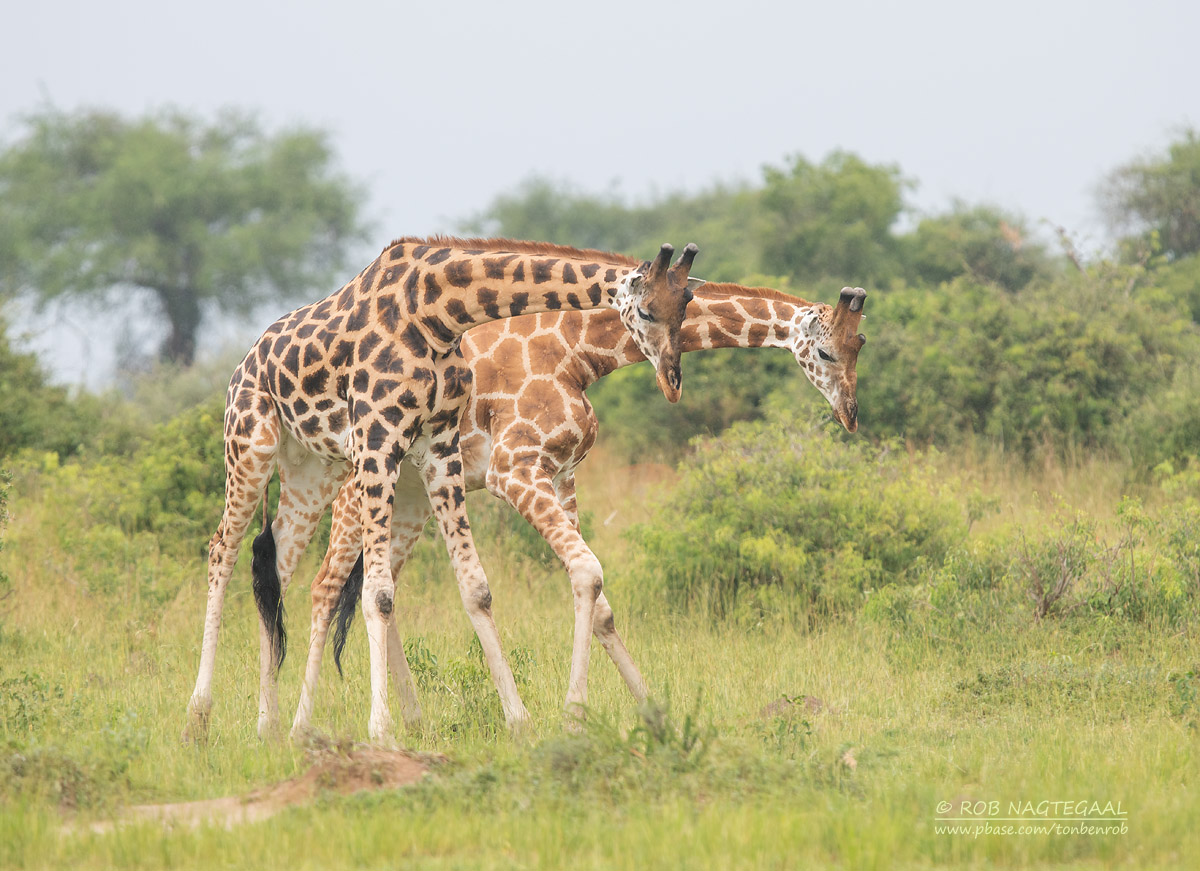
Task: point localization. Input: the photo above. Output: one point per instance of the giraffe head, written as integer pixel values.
(653, 304)
(826, 345)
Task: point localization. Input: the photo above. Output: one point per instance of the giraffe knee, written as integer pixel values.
(383, 601)
(603, 623)
(587, 577)
(477, 596)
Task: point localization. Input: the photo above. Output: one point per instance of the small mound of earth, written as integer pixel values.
(334, 769)
(787, 706)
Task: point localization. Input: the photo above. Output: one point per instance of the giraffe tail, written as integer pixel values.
(344, 610)
(268, 594)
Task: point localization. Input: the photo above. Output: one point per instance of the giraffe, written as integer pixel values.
(527, 425)
(347, 386)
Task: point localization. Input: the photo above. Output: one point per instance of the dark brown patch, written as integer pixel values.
(411, 286)
(488, 299)
(493, 267)
(459, 273)
(314, 384)
(458, 311)
(388, 312)
(543, 270)
(520, 302)
(433, 290)
(367, 345)
(392, 275)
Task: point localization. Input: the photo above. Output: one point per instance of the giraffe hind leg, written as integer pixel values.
(345, 541)
(251, 444)
(306, 487)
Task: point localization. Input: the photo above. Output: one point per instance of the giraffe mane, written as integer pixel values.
(721, 288)
(519, 246)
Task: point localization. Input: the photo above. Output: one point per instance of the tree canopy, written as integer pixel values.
(201, 214)
(1159, 195)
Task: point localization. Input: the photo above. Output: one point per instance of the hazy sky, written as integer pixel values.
(440, 106)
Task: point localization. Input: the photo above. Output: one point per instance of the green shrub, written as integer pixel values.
(784, 515)
(1060, 364)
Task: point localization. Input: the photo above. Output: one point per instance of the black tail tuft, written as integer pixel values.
(344, 610)
(267, 593)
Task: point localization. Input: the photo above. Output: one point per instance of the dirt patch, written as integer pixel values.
(790, 706)
(334, 769)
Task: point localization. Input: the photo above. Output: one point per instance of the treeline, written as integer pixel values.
(977, 327)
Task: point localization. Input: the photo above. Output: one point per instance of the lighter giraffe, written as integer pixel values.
(354, 383)
(527, 425)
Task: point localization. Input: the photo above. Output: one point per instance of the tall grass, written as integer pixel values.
(783, 745)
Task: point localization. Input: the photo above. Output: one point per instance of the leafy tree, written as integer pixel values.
(201, 215)
(979, 241)
(543, 209)
(1159, 195)
(722, 220)
(38, 415)
(833, 219)
(33, 413)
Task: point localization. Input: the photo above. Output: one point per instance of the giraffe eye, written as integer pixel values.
(644, 315)
(821, 353)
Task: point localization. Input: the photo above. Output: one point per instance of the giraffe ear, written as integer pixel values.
(810, 323)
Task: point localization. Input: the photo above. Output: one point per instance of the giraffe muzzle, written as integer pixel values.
(670, 382)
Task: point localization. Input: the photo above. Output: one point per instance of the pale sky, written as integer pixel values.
(438, 107)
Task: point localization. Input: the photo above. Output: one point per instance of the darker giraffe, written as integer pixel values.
(354, 383)
(527, 424)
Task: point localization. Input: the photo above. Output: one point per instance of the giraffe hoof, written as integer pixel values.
(196, 730)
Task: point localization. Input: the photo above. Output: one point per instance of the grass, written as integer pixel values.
(898, 720)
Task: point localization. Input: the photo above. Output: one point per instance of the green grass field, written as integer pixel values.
(900, 722)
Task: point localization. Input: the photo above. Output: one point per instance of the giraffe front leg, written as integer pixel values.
(603, 624)
(529, 488)
(409, 514)
(378, 595)
(446, 489)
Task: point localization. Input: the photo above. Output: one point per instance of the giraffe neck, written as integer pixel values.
(448, 286)
(719, 316)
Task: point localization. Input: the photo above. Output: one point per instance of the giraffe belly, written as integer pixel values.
(328, 444)
(476, 451)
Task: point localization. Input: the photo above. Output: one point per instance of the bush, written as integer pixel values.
(133, 519)
(783, 515)
(1060, 364)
